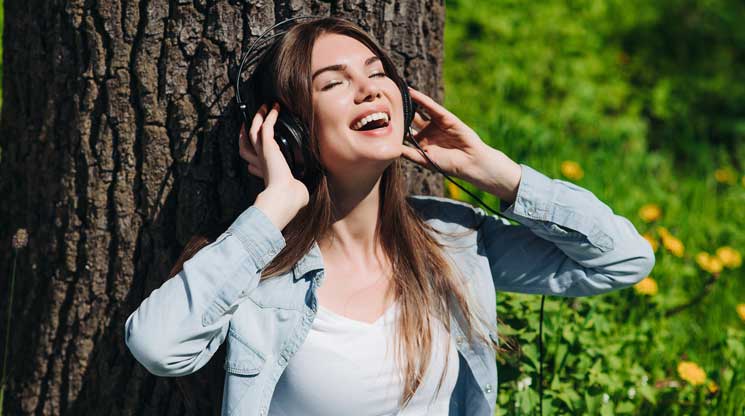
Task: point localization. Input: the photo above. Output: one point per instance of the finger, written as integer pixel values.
(419, 122)
(269, 148)
(244, 144)
(253, 170)
(440, 114)
(420, 138)
(415, 155)
(256, 123)
(250, 157)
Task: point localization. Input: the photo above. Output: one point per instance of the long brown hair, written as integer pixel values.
(423, 280)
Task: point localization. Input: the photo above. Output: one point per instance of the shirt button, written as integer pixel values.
(263, 412)
(282, 361)
(309, 313)
(488, 388)
(460, 341)
(530, 211)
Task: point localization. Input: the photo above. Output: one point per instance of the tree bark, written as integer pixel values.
(119, 142)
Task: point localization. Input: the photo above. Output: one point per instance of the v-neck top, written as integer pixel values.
(346, 367)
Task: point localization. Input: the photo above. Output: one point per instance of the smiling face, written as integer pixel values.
(358, 86)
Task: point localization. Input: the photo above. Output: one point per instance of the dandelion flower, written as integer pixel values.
(650, 212)
(713, 387)
(729, 256)
(673, 245)
(572, 170)
(646, 286)
(709, 263)
(453, 190)
(652, 241)
(725, 175)
(741, 311)
(691, 372)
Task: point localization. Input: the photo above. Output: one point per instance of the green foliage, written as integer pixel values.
(648, 98)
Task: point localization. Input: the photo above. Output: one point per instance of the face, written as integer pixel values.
(341, 96)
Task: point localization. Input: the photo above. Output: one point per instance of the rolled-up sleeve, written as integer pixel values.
(567, 242)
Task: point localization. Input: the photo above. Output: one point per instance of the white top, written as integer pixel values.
(345, 367)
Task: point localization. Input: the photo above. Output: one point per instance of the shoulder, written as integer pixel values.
(441, 210)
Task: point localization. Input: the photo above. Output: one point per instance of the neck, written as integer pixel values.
(356, 209)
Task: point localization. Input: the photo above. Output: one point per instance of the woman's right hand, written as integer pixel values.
(284, 195)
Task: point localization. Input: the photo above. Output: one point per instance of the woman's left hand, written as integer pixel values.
(459, 151)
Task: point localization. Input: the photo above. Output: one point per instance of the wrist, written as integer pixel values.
(498, 175)
(278, 205)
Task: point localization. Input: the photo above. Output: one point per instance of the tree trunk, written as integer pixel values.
(119, 142)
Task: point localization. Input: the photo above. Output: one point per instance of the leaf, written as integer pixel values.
(625, 407)
(649, 393)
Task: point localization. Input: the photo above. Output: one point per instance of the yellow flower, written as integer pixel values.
(725, 175)
(646, 286)
(662, 231)
(652, 241)
(729, 256)
(673, 245)
(713, 387)
(453, 190)
(572, 170)
(711, 264)
(650, 212)
(691, 372)
(741, 310)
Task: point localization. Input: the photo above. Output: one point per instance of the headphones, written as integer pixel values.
(292, 136)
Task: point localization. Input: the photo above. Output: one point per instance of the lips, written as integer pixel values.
(376, 109)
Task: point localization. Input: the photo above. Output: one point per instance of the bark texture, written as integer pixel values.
(119, 142)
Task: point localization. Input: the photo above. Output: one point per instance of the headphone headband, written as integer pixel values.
(253, 45)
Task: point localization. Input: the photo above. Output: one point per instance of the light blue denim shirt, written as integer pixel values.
(567, 243)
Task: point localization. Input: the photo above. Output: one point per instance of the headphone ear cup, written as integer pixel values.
(290, 135)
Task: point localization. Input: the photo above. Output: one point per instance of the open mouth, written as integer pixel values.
(375, 121)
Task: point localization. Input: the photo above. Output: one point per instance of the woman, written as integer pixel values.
(340, 295)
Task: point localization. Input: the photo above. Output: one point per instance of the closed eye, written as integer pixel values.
(331, 85)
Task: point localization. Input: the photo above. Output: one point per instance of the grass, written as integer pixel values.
(496, 69)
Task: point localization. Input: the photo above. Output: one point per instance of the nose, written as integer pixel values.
(368, 90)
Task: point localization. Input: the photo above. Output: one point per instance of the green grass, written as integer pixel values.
(546, 82)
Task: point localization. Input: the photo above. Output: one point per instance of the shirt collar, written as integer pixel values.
(311, 261)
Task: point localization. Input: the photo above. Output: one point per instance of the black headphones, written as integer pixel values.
(292, 137)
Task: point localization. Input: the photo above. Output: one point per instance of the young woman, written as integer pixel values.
(338, 294)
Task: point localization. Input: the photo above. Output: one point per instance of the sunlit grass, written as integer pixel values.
(547, 103)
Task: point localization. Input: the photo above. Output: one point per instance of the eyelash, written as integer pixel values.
(333, 84)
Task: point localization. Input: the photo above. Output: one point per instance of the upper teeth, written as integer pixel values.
(371, 117)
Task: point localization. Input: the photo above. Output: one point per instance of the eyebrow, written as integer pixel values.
(341, 67)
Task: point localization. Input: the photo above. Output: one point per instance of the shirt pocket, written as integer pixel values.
(242, 359)
(243, 364)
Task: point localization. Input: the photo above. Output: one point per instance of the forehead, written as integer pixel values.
(332, 48)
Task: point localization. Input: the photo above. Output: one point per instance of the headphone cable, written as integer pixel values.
(543, 297)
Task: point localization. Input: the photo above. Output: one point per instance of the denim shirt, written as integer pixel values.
(566, 243)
